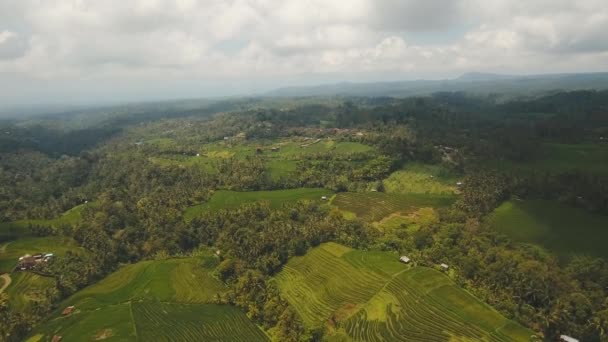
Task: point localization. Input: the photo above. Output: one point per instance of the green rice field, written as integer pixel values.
(374, 206)
(165, 300)
(224, 199)
(559, 228)
(370, 296)
(417, 178)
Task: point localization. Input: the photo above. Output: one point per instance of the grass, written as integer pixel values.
(565, 157)
(370, 296)
(224, 199)
(160, 300)
(374, 206)
(417, 178)
(16, 229)
(559, 228)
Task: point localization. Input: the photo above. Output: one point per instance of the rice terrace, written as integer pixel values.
(371, 296)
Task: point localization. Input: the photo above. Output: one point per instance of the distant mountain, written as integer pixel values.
(474, 83)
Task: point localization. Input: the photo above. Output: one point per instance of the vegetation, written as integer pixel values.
(232, 199)
(560, 228)
(204, 212)
(372, 296)
(374, 206)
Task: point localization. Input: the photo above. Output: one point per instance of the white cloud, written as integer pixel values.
(263, 39)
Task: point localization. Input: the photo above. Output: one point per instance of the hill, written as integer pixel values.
(371, 296)
(153, 300)
(475, 83)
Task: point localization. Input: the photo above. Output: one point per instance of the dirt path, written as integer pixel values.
(3, 247)
(7, 281)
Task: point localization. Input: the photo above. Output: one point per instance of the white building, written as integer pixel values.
(567, 338)
(404, 259)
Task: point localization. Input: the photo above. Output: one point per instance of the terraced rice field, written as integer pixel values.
(188, 322)
(559, 228)
(175, 280)
(231, 199)
(26, 288)
(374, 206)
(166, 300)
(370, 296)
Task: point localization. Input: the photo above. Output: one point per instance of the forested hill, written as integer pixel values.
(473, 83)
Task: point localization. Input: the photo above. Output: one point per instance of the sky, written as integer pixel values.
(81, 51)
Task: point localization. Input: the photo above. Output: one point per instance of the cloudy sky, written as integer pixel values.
(116, 50)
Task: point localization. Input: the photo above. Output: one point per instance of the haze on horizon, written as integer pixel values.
(80, 51)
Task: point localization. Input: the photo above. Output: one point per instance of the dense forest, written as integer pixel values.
(132, 170)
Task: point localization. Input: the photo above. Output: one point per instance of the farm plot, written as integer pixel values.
(174, 280)
(417, 178)
(374, 206)
(370, 296)
(156, 321)
(165, 300)
(224, 199)
(25, 288)
(559, 228)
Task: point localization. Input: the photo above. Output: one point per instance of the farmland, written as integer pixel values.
(561, 229)
(374, 206)
(279, 155)
(159, 300)
(371, 296)
(418, 178)
(224, 199)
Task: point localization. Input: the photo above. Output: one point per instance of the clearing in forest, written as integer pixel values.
(225, 199)
(418, 178)
(561, 229)
(374, 206)
(154, 300)
(371, 296)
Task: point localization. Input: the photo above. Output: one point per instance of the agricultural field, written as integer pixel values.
(27, 287)
(565, 157)
(224, 199)
(280, 163)
(370, 296)
(16, 229)
(559, 228)
(374, 206)
(153, 300)
(418, 178)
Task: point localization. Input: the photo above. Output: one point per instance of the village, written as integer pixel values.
(29, 262)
